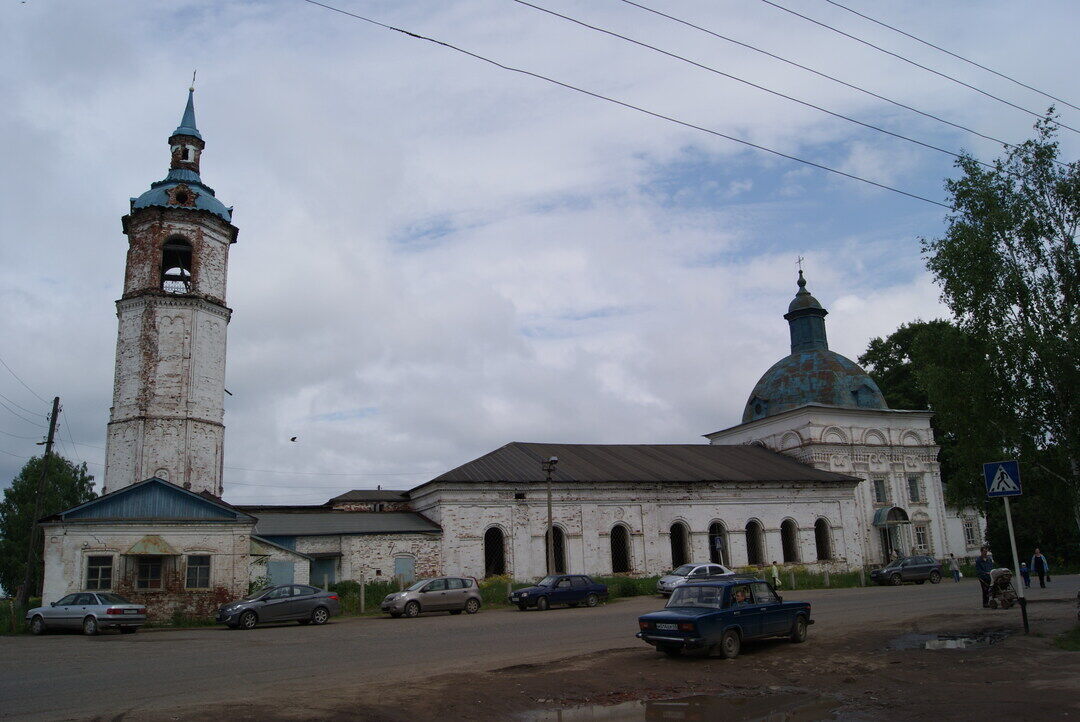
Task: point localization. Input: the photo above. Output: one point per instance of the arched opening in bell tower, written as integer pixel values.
(176, 266)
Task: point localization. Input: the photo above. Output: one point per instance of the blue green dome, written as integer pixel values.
(158, 195)
(811, 374)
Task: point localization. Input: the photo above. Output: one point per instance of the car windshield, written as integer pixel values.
(255, 595)
(694, 596)
(895, 563)
(417, 585)
(547, 582)
(112, 599)
(683, 571)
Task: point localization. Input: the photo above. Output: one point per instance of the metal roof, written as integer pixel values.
(372, 495)
(187, 123)
(329, 522)
(520, 462)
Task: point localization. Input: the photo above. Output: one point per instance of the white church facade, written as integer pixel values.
(820, 471)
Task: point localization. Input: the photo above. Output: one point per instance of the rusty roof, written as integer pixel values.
(520, 462)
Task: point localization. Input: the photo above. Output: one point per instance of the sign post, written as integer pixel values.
(1003, 479)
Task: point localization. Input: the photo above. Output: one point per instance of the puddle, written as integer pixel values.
(779, 707)
(949, 641)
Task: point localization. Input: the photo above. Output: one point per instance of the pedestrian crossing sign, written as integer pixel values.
(1002, 478)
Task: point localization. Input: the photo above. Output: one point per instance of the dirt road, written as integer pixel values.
(499, 664)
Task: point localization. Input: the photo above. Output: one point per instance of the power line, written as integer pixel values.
(20, 416)
(35, 393)
(918, 65)
(820, 74)
(67, 427)
(630, 106)
(29, 411)
(26, 438)
(949, 52)
(741, 80)
(17, 456)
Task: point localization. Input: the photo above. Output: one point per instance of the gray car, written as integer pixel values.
(283, 603)
(666, 584)
(443, 594)
(89, 611)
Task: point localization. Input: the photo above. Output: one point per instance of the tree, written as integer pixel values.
(66, 485)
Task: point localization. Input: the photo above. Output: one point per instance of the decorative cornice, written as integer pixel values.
(160, 299)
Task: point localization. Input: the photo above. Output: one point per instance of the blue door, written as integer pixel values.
(280, 573)
(323, 572)
(405, 569)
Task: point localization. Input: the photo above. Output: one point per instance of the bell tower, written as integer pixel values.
(167, 413)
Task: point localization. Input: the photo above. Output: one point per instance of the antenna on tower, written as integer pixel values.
(192, 88)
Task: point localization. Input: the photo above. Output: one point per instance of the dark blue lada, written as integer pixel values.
(721, 615)
(571, 589)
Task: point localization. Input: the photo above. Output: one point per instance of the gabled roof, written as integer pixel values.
(519, 462)
(153, 499)
(343, 522)
(371, 495)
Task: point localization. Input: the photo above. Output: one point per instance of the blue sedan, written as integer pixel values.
(569, 589)
(721, 615)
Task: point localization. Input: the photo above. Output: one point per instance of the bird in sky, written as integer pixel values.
(293, 439)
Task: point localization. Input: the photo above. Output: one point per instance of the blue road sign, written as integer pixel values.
(1002, 478)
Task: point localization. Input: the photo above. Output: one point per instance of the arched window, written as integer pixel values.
(559, 550)
(789, 539)
(494, 552)
(823, 539)
(176, 266)
(718, 546)
(620, 549)
(680, 553)
(755, 542)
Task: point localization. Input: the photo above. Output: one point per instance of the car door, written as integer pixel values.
(455, 593)
(275, 605)
(433, 596)
(562, 592)
(83, 605)
(581, 587)
(774, 618)
(698, 574)
(301, 602)
(61, 614)
(744, 611)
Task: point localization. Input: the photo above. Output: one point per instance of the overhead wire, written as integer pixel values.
(821, 74)
(20, 416)
(951, 53)
(736, 78)
(919, 65)
(35, 393)
(630, 106)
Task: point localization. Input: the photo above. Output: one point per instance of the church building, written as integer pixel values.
(820, 471)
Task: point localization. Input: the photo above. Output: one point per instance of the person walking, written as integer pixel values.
(1025, 574)
(984, 564)
(775, 575)
(954, 567)
(1040, 566)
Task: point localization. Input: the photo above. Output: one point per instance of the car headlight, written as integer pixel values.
(524, 594)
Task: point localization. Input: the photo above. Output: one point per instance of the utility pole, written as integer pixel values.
(31, 552)
(549, 467)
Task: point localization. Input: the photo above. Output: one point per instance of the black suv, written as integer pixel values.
(908, 569)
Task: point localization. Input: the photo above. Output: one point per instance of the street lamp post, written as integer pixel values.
(549, 467)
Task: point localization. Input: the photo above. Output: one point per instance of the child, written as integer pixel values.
(1025, 573)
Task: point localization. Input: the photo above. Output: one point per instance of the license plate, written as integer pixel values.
(131, 611)
(667, 627)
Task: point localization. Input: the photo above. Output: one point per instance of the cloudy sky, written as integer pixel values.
(437, 256)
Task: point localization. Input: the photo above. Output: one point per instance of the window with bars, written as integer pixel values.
(99, 572)
(881, 490)
(198, 571)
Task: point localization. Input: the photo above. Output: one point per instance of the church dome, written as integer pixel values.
(811, 374)
(163, 193)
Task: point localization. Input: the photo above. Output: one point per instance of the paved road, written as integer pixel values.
(68, 675)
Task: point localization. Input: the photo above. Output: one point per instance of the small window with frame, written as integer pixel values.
(914, 489)
(881, 490)
(99, 572)
(198, 571)
(148, 573)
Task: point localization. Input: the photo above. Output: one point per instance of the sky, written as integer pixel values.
(437, 256)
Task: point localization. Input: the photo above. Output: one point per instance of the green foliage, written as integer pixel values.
(348, 592)
(11, 618)
(1069, 640)
(622, 586)
(493, 589)
(66, 485)
(258, 583)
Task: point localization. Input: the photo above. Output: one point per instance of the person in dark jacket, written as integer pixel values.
(984, 564)
(1040, 566)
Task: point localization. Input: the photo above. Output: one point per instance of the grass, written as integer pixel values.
(11, 617)
(1069, 641)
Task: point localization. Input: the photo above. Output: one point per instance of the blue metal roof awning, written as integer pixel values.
(885, 516)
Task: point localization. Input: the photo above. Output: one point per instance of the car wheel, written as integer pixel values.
(37, 625)
(591, 600)
(320, 615)
(128, 630)
(89, 626)
(248, 620)
(412, 609)
(670, 650)
(522, 607)
(935, 577)
(542, 604)
(799, 629)
(472, 606)
(896, 580)
(730, 644)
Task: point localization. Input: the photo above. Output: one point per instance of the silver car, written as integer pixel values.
(443, 594)
(283, 603)
(89, 611)
(691, 573)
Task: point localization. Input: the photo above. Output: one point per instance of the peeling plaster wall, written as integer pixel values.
(262, 553)
(587, 513)
(68, 545)
(362, 555)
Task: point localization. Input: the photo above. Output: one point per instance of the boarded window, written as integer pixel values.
(198, 571)
(99, 572)
(620, 549)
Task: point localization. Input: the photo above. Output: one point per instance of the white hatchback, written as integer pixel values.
(691, 573)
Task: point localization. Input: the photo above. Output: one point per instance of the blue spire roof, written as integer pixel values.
(187, 123)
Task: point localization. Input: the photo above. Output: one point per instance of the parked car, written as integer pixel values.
(568, 589)
(281, 603)
(693, 573)
(442, 594)
(89, 611)
(916, 569)
(721, 615)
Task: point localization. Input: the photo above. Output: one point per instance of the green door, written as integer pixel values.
(323, 572)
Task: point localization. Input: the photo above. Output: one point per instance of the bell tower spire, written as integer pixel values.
(168, 396)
